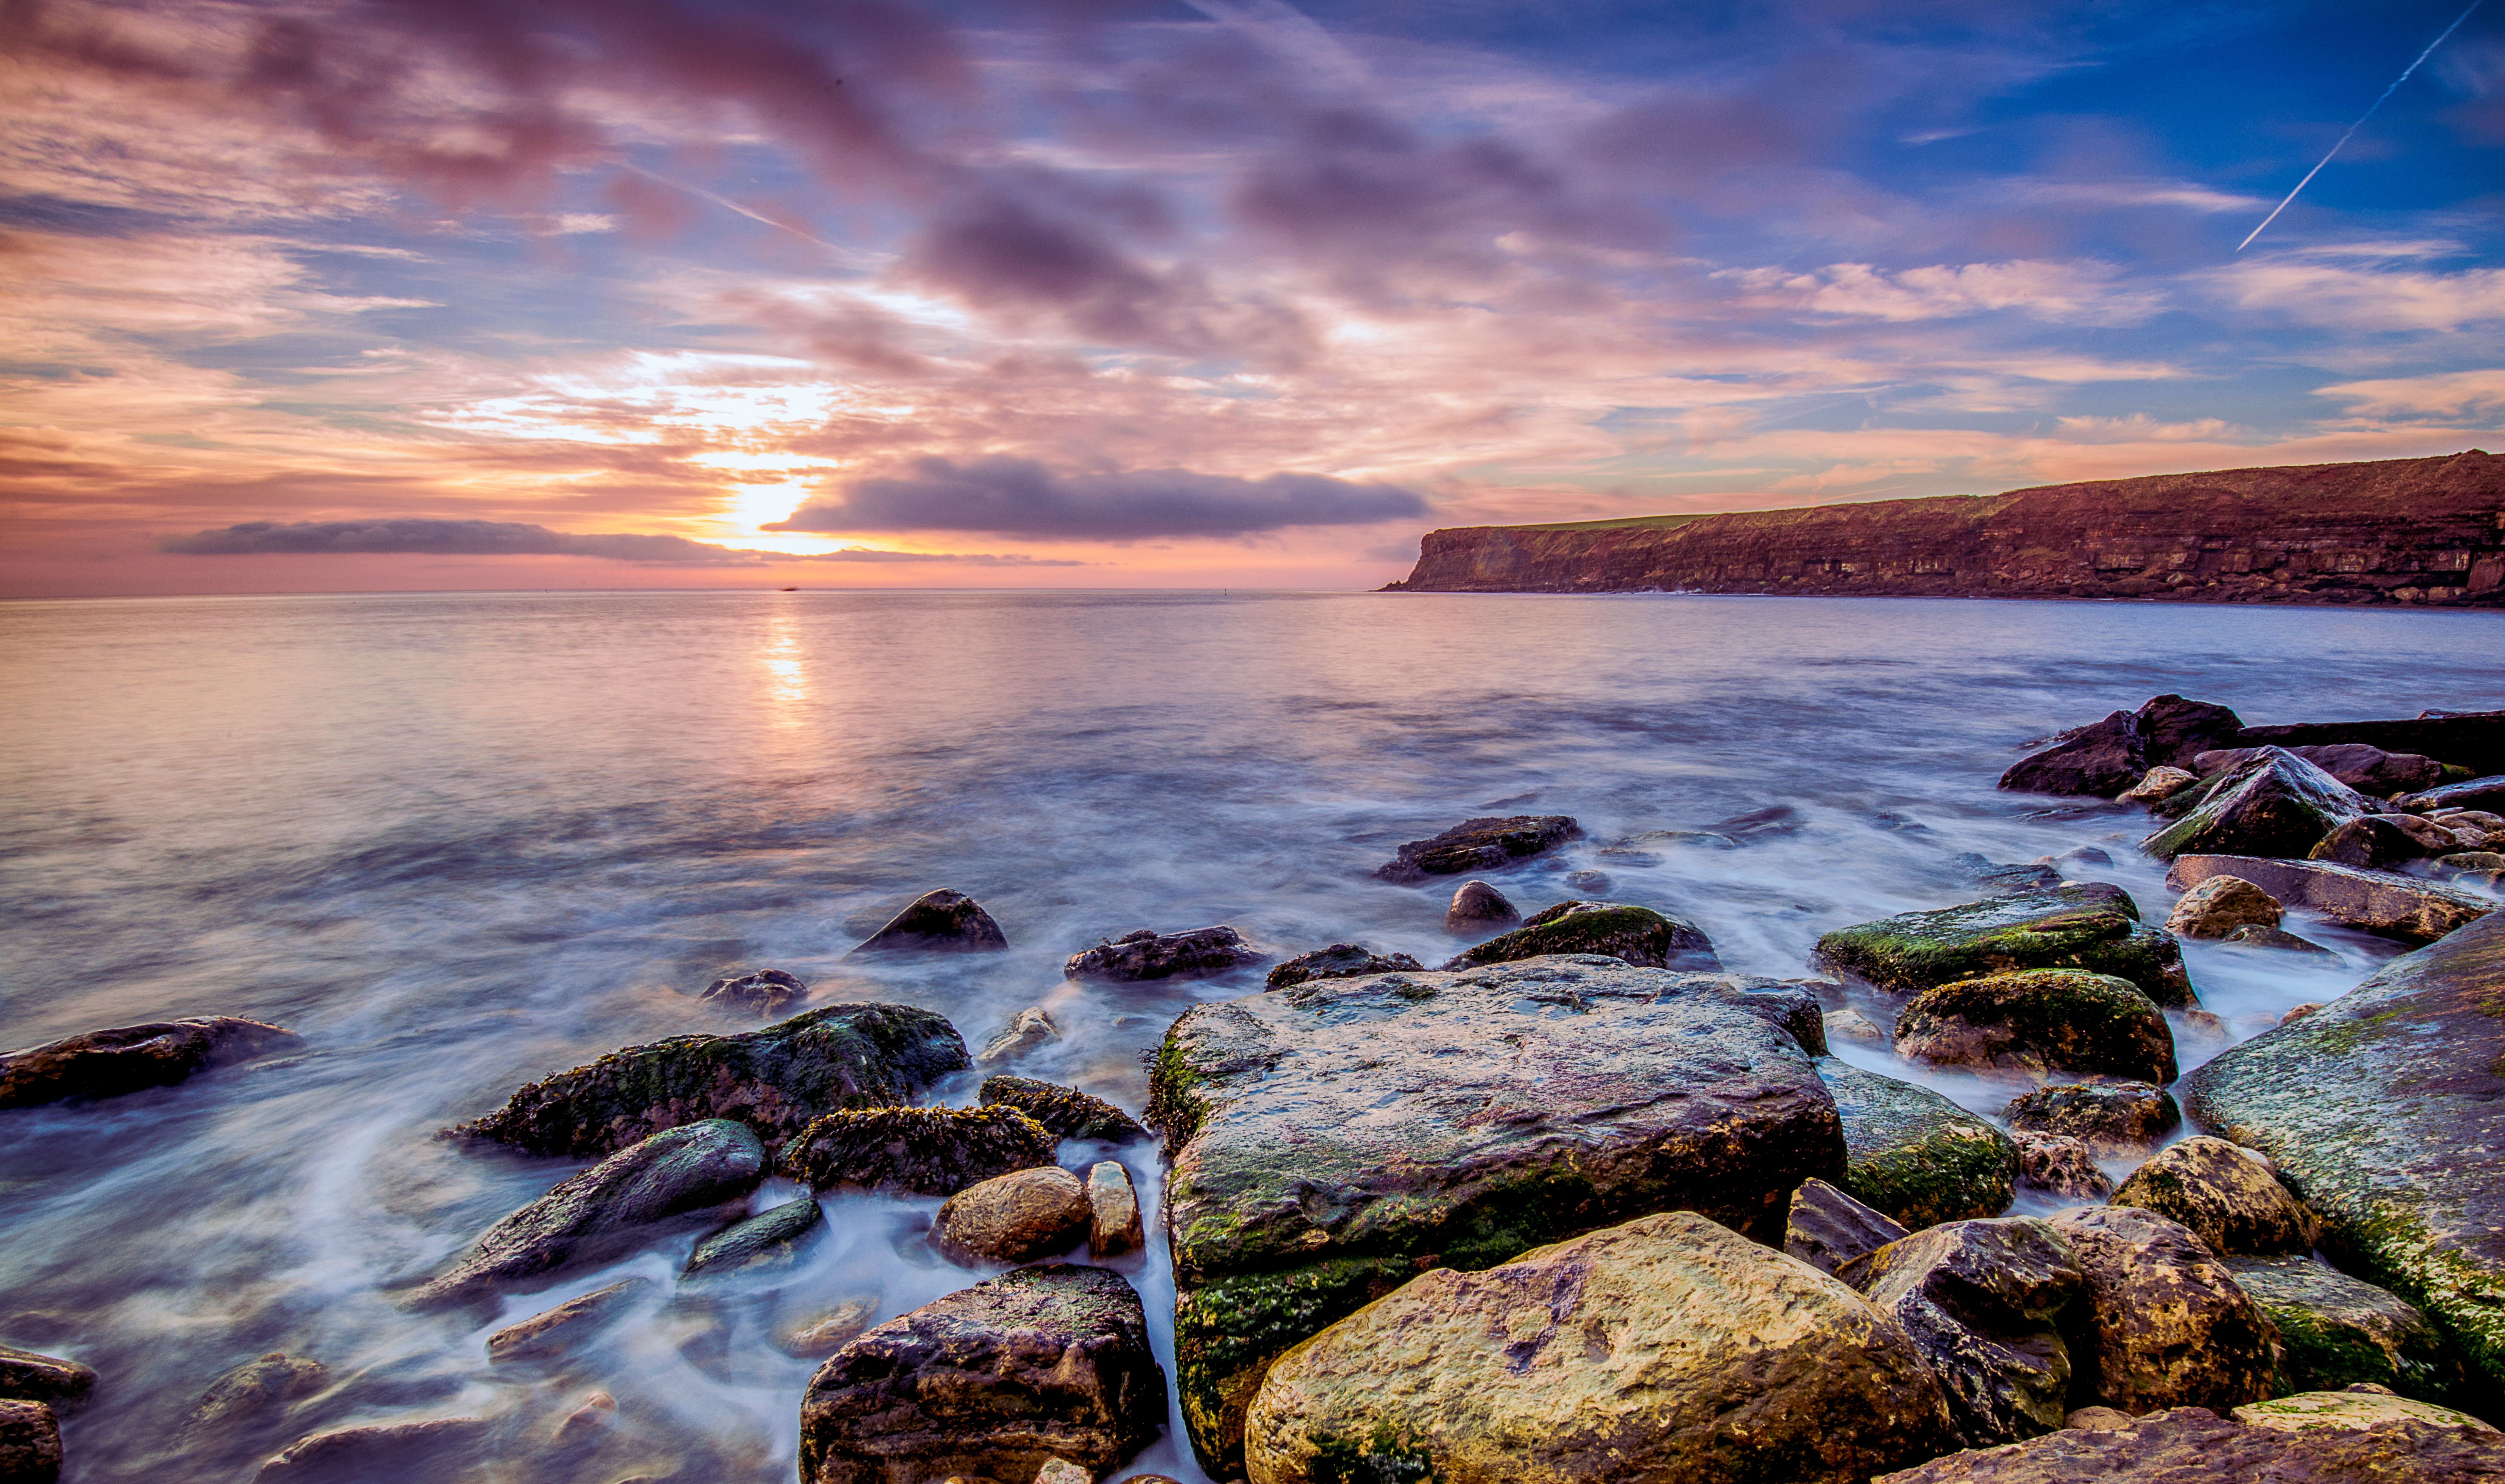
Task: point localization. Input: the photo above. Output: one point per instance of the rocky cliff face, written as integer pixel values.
(2427, 531)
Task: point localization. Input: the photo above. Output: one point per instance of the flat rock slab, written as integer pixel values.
(130, 1058)
(1331, 1140)
(2406, 907)
(1488, 843)
(2384, 1112)
(1914, 1155)
(2192, 1445)
(2091, 925)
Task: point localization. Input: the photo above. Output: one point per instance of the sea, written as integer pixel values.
(460, 841)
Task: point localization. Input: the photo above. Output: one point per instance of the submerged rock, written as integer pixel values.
(2060, 1164)
(252, 1396)
(820, 1337)
(2277, 804)
(943, 921)
(2089, 924)
(1113, 1211)
(2338, 1330)
(2223, 1195)
(2163, 1323)
(30, 1443)
(1029, 1030)
(676, 1179)
(27, 1376)
(766, 1241)
(993, 1381)
(1476, 905)
(2192, 1445)
(1979, 1299)
(1330, 1139)
(1488, 843)
(2040, 1020)
(2274, 940)
(923, 1151)
(420, 1452)
(2372, 901)
(1013, 1218)
(1067, 1111)
(2221, 904)
(1914, 1154)
(1148, 954)
(1668, 1348)
(568, 1326)
(131, 1058)
(1836, 1234)
(2107, 757)
(2117, 1117)
(1340, 961)
(1639, 936)
(1997, 877)
(767, 992)
(773, 1081)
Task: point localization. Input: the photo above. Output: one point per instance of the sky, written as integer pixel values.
(478, 294)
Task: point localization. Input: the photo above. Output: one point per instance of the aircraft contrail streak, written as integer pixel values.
(2361, 122)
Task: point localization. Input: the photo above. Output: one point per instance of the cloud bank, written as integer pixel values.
(1021, 497)
(425, 537)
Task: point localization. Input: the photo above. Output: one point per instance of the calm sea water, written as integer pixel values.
(460, 841)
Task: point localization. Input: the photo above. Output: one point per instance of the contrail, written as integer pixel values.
(2361, 122)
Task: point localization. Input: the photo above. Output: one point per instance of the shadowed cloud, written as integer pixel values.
(418, 536)
(1021, 497)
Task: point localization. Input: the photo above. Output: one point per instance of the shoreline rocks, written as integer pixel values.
(1914, 1155)
(1488, 843)
(921, 1151)
(2104, 758)
(133, 1058)
(1138, 957)
(1013, 1218)
(2278, 804)
(1980, 1301)
(2339, 1331)
(2412, 910)
(2039, 1021)
(1065, 1111)
(765, 1242)
(2221, 1194)
(2220, 905)
(1477, 905)
(2161, 1323)
(2090, 925)
(2192, 1445)
(1639, 936)
(1339, 961)
(1836, 1234)
(942, 921)
(766, 992)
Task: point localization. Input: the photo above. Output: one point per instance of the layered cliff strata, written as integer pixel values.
(2427, 531)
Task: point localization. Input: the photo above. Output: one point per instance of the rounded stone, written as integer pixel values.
(2113, 1117)
(2040, 1020)
(1478, 906)
(2225, 1195)
(2220, 905)
(2164, 1323)
(1014, 1217)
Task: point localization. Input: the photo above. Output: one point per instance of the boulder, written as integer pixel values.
(767, 992)
(681, 1178)
(1148, 954)
(2383, 1112)
(2109, 756)
(2487, 794)
(1836, 1234)
(1669, 1348)
(252, 1395)
(1340, 961)
(30, 1443)
(2158, 783)
(25, 1376)
(2390, 906)
(2356, 1409)
(1031, 1029)
(2223, 1195)
(1980, 1301)
(131, 1058)
(921, 1150)
(1477, 905)
(2277, 804)
(1479, 844)
(2087, 925)
(2366, 768)
(1113, 1211)
(2060, 1164)
(775, 1080)
(1914, 1154)
(1639, 936)
(820, 1335)
(567, 1327)
(1997, 877)
(1013, 1218)
(2114, 1118)
(2375, 839)
(2221, 904)
(2274, 940)
(2161, 1323)
(1066, 1111)
(2040, 1020)
(943, 921)
(424, 1451)
(993, 1381)
(2338, 1330)
(765, 1242)
(1329, 1139)
(2192, 1445)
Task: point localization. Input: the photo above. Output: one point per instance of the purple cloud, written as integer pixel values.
(1020, 496)
(427, 537)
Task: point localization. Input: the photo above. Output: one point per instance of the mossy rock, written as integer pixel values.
(1067, 1111)
(2040, 1020)
(1639, 936)
(2091, 925)
(2122, 1118)
(2340, 1330)
(1227, 1332)
(1340, 961)
(1487, 843)
(924, 1150)
(1915, 1156)
(2277, 804)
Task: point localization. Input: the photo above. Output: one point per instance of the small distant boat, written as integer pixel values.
(790, 590)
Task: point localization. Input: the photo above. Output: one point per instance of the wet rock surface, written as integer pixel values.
(2194, 1445)
(767, 992)
(2223, 1195)
(1029, 1030)
(2277, 940)
(568, 1326)
(942, 921)
(28, 1376)
(2158, 783)
(2360, 766)
(422, 1451)
(2277, 804)
(775, 1080)
(2340, 1330)
(991, 1381)
(1339, 961)
(30, 1443)
(2090, 925)
(252, 1396)
(1639, 936)
(2487, 794)
(1476, 905)
(1113, 1227)
(762, 1243)
(2221, 904)
(2378, 841)
(2106, 758)
(1487, 843)
(1915, 1155)
(1980, 1301)
(2060, 1165)
(923, 1151)
(1065, 1111)
(2356, 1409)
(133, 1058)
(1666, 1348)
(2161, 1323)
(1148, 954)
(1836, 1234)
(2043, 1020)
(2119, 1117)
(1013, 1218)
(2412, 910)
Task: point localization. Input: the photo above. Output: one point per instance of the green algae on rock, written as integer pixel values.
(2340, 1330)
(2040, 1020)
(1641, 935)
(2384, 1112)
(1067, 1111)
(924, 1150)
(1914, 1155)
(2090, 925)
(775, 1080)
(1487, 843)
(2277, 804)
(2117, 1117)
(2161, 1323)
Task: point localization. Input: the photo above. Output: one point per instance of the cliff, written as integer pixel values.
(2428, 531)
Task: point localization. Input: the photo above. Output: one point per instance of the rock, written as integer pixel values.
(1479, 844)
(1768, 822)
(1993, 875)
(775, 1080)
(2223, 1195)
(2352, 1411)
(674, 1180)
(1148, 954)
(2221, 904)
(1979, 1299)
(30, 1443)
(595, 1416)
(131, 1058)
(1836, 1234)
(2384, 1112)
(1113, 1222)
(2109, 756)
(2078, 856)
(2060, 1164)
(2089, 924)
(2487, 794)
(1639, 936)
(767, 992)
(1914, 1154)
(2468, 862)
(1065, 1111)
(2040, 1020)
(943, 921)
(435, 1448)
(2363, 767)
(1476, 905)
(2371, 902)
(2114, 1118)
(1854, 1026)
(1031, 1029)
(25, 1376)
(2274, 940)
(2162, 1324)
(2299, 1012)
(1346, 961)
(2338, 1330)
(2192, 1445)
(1042, 1363)
(1591, 883)
(254, 1394)
(2161, 782)
(1329, 1139)
(767, 1241)
(817, 1338)
(568, 1326)
(1013, 1218)
(2378, 841)
(2277, 804)
(1668, 1348)
(924, 1150)
(1063, 1472)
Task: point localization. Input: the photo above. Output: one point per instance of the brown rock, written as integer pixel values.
(2163, 1323)
(2061, 1165)
(2226, 1196)
(1477, 906)
(2221, 904)
(1066, 1111)
(1063, 1472)
(2113, 1117)
(1013, 1218)
(1836, 1234)
(566, 1328)
(1113, 1224)
(1979, 1300)
(30, 1443)
(25, 1376)
(1487, 843)
(2192, 1445)
(926, 1150)
(595, 1416)
(107, 1064)
(2392, 907)
(254, 1392)
(821, 1336)
(436, 1447)
(943, 921)
(2382, 840)
(2040, 1020)
(1148, 954)
(767, 992)
(1029, 1030)
(2356, 1409)
(2159, 782)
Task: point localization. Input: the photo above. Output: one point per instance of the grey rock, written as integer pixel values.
(2276, 804)
(2340, 1331)
(943, 921)
(1475, 906)
(2366, 768)
(767, 1241)
(1029, 1030)
(1639, 936)
(1488, 843)
(1836, 1234)
(2372, 901)
(2276, 940)
(2487, 793)
(767, 992)
(1980, 1301)
(1914, 1154)
(131, 1058)
(1148, 954)
(1995, 876)
(1339, 961)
